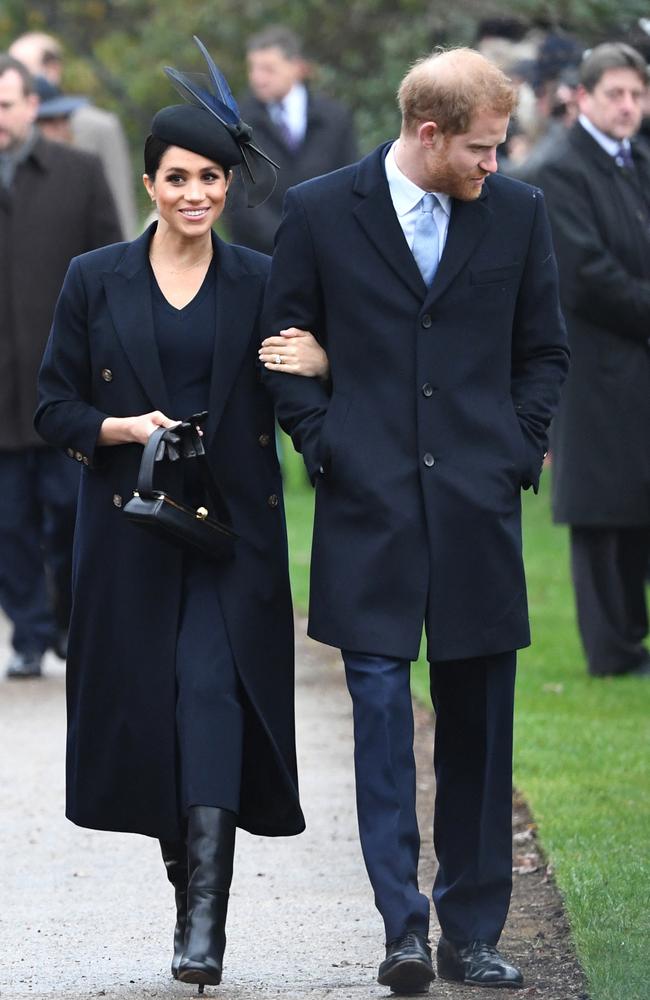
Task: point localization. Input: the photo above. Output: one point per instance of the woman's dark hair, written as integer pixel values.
(154, 150)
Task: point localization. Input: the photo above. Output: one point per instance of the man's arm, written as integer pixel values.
(598, 287)
(294, 299)
(540, 355)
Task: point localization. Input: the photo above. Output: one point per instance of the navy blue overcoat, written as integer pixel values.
(101, 359)
(438, 412)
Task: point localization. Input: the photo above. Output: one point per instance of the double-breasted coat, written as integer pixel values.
(101, 359)
(600, 217)
(438, 412)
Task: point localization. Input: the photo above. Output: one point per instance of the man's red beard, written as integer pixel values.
(457, 186)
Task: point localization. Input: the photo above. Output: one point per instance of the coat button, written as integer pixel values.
(427, 389)
(273, 500)
(117, 500)
(107, 375)
(426, 321)
(264, 440)
(428, 460)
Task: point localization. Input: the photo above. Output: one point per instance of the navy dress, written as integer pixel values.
(209, 711)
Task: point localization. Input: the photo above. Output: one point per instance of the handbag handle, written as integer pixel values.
(145, 486)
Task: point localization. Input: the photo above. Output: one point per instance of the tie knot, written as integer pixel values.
(428, 202)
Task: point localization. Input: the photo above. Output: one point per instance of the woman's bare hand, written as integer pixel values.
(296, 352)
(133, 430)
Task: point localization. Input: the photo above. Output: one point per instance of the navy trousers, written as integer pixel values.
(473, 700)
(38, 499)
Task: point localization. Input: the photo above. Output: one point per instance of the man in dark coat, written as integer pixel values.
(597, 186)
(54, 203)
(442, 389)
(306, 134)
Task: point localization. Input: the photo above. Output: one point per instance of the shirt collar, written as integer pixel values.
(611, 146)
(404, 193)
(295, 100)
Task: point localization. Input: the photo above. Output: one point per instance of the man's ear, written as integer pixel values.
(428, 134)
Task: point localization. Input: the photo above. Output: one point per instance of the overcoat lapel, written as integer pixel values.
(238, 301)
(128, 294)
(376, 215)
(467, 225)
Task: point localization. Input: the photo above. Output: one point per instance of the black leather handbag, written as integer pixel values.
(208, 531)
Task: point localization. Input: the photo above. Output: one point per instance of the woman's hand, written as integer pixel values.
(298, 351)
(133, 430)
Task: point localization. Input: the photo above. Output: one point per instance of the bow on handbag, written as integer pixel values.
(209, 531)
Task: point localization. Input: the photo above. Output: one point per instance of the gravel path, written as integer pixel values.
(90, 914)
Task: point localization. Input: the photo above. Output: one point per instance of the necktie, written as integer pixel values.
(281, 119)
(624, 157)
(426, 241)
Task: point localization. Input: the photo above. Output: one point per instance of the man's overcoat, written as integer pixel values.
(600, 217)
(59, 206)
(101, 359)
(439, 407)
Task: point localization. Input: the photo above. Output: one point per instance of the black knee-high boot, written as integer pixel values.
(174, 855)
(210, 850)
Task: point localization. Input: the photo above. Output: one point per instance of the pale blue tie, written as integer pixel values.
(426, 241)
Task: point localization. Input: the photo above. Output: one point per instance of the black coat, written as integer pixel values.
(329, 143)
(101, 360)
(600, 217)
(59, 206)
(438, 415)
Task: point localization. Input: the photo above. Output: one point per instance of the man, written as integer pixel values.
(94, 129)
(598, 189)
(305, 133)
(433, 286)
(54, 204)
(55, 110)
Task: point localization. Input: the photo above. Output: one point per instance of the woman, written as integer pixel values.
(180, 669)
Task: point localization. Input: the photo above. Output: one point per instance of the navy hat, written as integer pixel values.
(53, 103)
(217, 128)
(197, 130)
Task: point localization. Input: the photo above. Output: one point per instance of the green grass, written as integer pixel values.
(581, 757)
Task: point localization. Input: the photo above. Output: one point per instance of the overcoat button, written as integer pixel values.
(426, 321)
(427, 389)
(273, 500)
(428, 460)
(107, 375)
(117, 500)
(264, 440)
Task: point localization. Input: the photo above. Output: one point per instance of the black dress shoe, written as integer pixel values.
(23, 665)
(477, 962)
(407, 967)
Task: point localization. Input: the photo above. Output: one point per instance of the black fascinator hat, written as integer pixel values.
(210, 124)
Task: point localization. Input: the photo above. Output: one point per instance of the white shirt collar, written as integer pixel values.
(611, 146)
(404, 193)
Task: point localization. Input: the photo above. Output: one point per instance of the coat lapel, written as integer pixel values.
(238, 302)
(467, 225)
(376, 215)
(128, 293)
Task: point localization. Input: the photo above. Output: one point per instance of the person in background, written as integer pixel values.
(94, 129)
(597, 185)
(305, 133)
(431, 283)
(55, 110)
(54, 203)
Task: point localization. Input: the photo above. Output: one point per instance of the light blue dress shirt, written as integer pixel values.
(406, 197)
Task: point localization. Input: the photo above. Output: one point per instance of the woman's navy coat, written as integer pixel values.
(101, 359)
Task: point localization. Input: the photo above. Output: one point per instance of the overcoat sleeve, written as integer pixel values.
(598, 286)
(294, 298)
(540, 353)
(65, 416)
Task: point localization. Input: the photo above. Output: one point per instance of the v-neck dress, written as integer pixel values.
(209, 710)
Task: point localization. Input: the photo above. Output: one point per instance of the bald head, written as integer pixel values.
(450, 88)
(40, 53)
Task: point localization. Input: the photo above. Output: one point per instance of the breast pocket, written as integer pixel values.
(494, 275)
